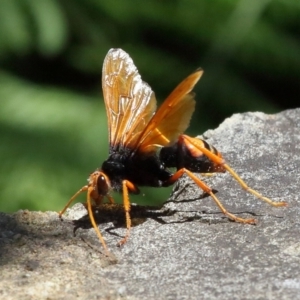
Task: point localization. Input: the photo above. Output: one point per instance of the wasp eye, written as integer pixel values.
(102, 185)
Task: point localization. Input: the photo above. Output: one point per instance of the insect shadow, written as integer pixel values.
(114, 213)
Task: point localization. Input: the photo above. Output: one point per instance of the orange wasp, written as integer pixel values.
(145, 143)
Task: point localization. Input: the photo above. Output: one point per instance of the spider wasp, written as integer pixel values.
(144, 143)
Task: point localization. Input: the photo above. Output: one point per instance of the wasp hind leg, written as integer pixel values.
(195, 148)
(218, 160)
(209, 191)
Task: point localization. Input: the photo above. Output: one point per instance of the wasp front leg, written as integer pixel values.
(127, 187)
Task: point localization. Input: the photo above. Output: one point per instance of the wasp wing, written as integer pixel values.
(130, 102)
(172, 117)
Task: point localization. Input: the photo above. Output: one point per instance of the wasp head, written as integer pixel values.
(98, 186)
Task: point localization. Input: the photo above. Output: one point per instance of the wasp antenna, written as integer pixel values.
(83, 189)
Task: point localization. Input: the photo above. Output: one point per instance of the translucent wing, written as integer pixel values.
(130, 102)
(172, 117)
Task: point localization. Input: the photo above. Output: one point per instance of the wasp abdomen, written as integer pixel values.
(184, 154)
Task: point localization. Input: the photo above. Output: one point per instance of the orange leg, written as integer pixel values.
(252, 191)
(91, 215)
(89, 190)
(209, 191)
(127, 186)
(218, 160)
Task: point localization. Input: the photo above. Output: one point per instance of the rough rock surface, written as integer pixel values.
(185, 250)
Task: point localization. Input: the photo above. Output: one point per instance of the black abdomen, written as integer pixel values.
(183, 155)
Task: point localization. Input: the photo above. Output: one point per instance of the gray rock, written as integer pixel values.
(185, 250)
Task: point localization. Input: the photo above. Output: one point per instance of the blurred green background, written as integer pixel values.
(53, 129)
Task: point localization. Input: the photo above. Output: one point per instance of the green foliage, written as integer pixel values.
(27, 25)
(53, 129)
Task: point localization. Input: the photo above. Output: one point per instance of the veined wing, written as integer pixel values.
(130, 102)
(172, 117)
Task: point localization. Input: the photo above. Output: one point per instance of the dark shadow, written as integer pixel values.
(106, 213)
(27, 232)
(30, 232)
(9, 229)
(114, 213)
(204, 195)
